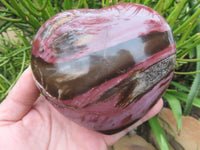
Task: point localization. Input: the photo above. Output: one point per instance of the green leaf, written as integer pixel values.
(5, 26)
(17, 77)
(176, 108)
(31, 10)
(183, 97)
(195, 86)
(171, 19)
(10, 19)
(180, 86)
(159, 134)
(159, 6)
(188, 73)
(191, 39)
(187, 23)
(68, 4)
(82, 4)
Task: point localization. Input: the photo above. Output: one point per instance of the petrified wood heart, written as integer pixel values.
(105, 68)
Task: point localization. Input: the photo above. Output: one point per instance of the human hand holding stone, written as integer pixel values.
(28, 121)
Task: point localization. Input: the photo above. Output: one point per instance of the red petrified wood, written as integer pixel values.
(105, 68)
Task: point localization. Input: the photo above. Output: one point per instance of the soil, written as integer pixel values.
(186, 139)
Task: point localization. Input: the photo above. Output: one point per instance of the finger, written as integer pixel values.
(20, 99)
(110, 140)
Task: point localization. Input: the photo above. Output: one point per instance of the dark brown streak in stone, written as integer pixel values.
(127, 98)
(125, 88)
(156, 41)
(46, 32)
(101, 69)
(37, 63)
(80, 75)
(113, 131)
(64, 46)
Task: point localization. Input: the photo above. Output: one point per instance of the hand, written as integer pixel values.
(28, 121)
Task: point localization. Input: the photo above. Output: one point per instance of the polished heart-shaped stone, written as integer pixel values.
(104, 68)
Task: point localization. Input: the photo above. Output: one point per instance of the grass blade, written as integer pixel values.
(183, 97)
(176, 108)
(31, 10)
(9, 7)
(68, 4)
(18, 76)
(159, 6)
(175, 13)
(5, 26)
(10, 19)
(159, 134)
(186, 24)
(179, 86)
(195, 86)
(187, 73)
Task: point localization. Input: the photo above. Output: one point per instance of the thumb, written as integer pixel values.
(20, 99)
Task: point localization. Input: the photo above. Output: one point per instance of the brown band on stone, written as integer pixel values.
(71, 78)
(98, 71)
(130, 91)
(157, 41)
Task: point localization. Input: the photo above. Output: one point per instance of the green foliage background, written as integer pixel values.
(24, 18)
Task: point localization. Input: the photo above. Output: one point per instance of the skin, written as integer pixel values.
(28, 121)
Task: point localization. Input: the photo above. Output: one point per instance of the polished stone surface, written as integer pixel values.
(104, 68)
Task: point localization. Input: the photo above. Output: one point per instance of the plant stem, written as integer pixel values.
(171, 19)
(188, 60)
(191, 39)
(159, 6)
(2, 77)
(5, 26)
(50, 9)
(10, 19)
(9, 7)
(44, 5)
(186, 23)
(27, 6)
(19, 74)
(68, 4)
(188, 73)
(28, 18)
(146, 2)
(187, 49)
(38, 7)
